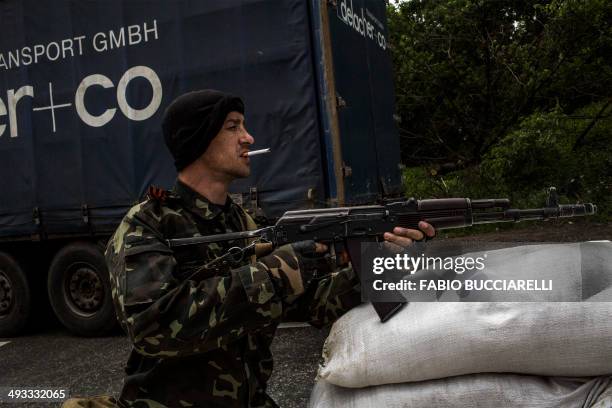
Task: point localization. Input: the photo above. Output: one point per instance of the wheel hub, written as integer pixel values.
(85, 290)
(6, 294)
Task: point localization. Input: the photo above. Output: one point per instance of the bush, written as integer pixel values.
(572, 152)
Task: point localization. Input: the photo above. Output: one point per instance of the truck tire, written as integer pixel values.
(79, 290)
(15, 296)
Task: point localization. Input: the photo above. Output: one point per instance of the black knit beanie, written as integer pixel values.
(192, 121)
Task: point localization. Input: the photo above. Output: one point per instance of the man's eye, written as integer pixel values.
(235, 127)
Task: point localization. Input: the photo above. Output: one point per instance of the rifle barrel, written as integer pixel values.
(516, 215)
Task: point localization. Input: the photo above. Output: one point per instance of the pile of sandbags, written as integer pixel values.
(473, 391)
(478, 354)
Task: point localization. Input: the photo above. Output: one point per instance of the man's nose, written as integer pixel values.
(247, 138)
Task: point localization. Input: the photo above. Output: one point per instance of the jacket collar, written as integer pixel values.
(197, 203)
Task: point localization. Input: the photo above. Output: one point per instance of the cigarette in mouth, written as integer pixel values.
(257, 152)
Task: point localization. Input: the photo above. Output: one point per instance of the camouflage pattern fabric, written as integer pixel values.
(294, 266)
(201, 336)
(93, 402)
(284, 266)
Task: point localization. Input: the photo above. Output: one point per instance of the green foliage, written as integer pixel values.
(420, 182)
(503, 98)
(551, 149)
(545, 150)
(468, 71)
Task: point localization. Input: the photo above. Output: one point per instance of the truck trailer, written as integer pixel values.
(83, 88)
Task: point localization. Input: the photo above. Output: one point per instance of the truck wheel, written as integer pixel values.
(15, 298)
(79, 290)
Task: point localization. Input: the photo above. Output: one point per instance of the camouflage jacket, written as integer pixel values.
(201, 337)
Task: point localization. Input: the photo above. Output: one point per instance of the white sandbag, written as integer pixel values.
(604, 400)
(559, 264)
(603, 296)
(570, 273)
(471, 391)
(435, 340)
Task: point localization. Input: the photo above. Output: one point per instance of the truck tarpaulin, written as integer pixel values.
(81, 103)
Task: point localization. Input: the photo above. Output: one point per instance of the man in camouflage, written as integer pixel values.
(201, 335)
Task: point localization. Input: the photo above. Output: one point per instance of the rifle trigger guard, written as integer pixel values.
(235, 254)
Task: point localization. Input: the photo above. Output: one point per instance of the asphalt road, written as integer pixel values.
(94, 366)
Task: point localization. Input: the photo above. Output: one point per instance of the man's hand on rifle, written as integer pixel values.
(404, 237)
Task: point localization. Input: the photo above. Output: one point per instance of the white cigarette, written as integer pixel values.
(257, 152)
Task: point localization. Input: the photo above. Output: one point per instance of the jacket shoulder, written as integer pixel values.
(155, 208)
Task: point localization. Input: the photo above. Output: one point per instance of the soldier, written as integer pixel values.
(201, 336)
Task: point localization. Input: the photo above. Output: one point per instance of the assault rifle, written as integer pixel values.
(352, 226)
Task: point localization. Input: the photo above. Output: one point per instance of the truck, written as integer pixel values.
(83, 89)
